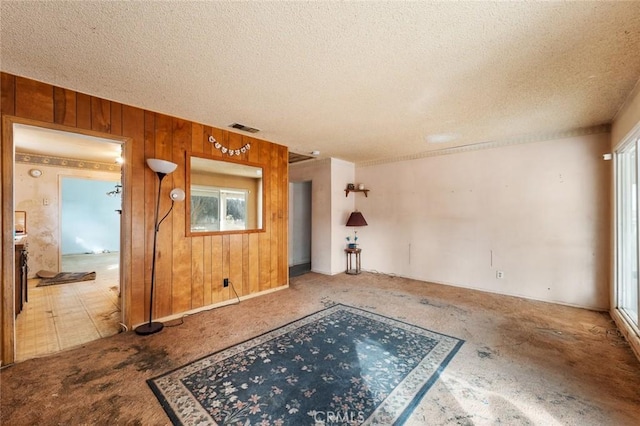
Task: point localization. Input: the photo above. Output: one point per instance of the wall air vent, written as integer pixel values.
(244, 128)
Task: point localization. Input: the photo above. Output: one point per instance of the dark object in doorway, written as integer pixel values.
(297, 270)
(63, 277)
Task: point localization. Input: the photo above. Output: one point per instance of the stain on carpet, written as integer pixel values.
(146, 358)
(142, 359)
(484, 354)
(456, 310)
(109, 409)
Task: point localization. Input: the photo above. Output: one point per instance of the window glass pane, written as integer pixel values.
(235, 210)
(205, 210)
(628, 232)
(218, 209)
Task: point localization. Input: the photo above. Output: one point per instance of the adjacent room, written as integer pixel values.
(418, 213)
(68, 191)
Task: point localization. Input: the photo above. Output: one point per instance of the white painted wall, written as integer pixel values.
(43, 221)
(342, 173)
(537, 211)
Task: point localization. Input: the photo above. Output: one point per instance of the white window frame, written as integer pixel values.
(626, 326)
(222, 194)
(622, 150)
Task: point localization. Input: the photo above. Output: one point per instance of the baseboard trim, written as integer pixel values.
(484, 290)
(630, 334)
(319, 271)
(215, 305)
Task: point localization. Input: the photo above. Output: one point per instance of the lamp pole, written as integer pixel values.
(153, 327)
(161, 168)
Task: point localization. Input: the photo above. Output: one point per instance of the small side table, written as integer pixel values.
(350, 252)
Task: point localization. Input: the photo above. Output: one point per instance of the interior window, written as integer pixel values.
(224, 196)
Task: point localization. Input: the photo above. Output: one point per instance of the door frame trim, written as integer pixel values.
(7, 284)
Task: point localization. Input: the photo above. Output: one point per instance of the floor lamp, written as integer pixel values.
(162, 168)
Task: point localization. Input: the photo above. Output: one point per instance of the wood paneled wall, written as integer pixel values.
(190, 270)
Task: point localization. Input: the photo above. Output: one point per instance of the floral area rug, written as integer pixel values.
(341, 365)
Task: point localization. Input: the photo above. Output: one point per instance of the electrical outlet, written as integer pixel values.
(499, 274)
(225, 282)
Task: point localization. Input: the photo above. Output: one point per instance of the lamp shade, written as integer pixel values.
(177, 194)
(161, 166)
(356, 219)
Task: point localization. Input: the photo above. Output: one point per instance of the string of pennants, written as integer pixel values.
(231, 152)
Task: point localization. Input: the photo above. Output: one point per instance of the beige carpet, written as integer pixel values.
(523, 362)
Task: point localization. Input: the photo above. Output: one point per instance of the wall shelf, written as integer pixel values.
(347, 191)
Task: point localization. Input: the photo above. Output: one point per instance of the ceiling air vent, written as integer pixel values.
(244, 128)
(296, 158)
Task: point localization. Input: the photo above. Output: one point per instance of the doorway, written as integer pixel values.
(299, 228)
(59, 177)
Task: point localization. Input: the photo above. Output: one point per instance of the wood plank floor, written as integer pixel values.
(63, 316)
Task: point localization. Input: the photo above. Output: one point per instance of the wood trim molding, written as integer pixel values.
(7, 253)
(630, 334)
(217, 305)
(518, 140)
(8, 271)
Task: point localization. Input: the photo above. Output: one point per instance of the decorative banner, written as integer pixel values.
(225, 150)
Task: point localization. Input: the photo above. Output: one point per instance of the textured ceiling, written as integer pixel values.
(359, 81)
